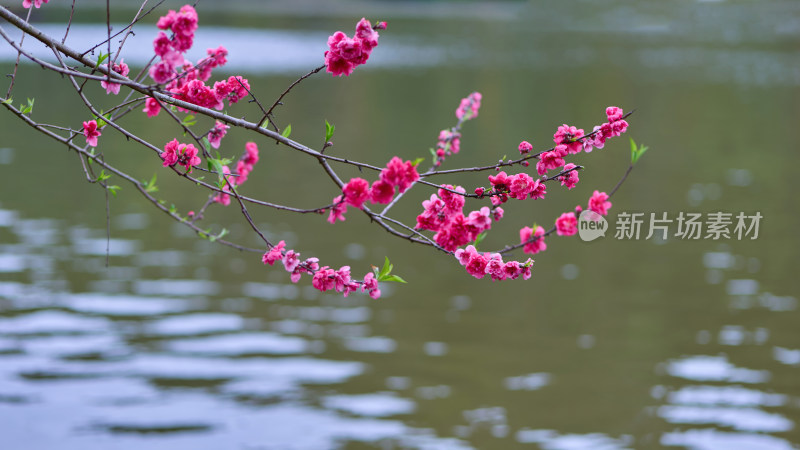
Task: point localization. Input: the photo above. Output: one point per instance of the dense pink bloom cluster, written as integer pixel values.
(449, 143)
(37, 3)
(444, 214)
(613, 128)
(569, 179)
(181, 154)
(357, 191)
(567, 224)
(243, 168)
(216, 133)
(481, 264)
(526, 234)
(91, 132)
(469, 106)
(344, 53)
(323, 278)
(519, 186)
(184, 80)
(599, 203)
(120, 68)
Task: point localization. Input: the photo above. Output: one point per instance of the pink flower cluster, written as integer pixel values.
(481, 264)
(613, 128)
(468, 109)
(519, 186)
(183, 24)
(323, 278)
(181, 154)
(570, 179)
(243, 168)
(189, 84)
(91, 132)
(344, 53)
(449, 143)
(37, 3)
(120, 68)
(444, 214)
(357, 191)
(570, 140)
(526, 234)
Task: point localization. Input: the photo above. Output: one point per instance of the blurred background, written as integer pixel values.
(613, 344)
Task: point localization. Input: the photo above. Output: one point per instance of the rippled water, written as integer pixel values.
(613, 344)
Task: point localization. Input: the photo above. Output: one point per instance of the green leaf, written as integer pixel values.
(637, 151)
(206, 143)
(150, 186)
(100, 59)
(329, 129)
(103, 176)
(417, 161)
(27, 109)
(113, 190)
(480, 239)
(188, 121)
(215, 165)
(172, 209)
(287, 131)
(393, 278)
(8, 101)
(221, 234)
(387, 267)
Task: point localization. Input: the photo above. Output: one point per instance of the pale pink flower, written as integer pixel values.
(91, 132)
(567, 224)
(290, 260)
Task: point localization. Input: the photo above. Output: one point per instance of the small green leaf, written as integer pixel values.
(150, 186)
(480, 238)
(417, 161)
(113, 190)
(103, 176)
(329, 129)
(206, 143)
(27, 109)
(393, 278)
(172, 209)
(287, 131)
(636, 151)
(8, 101)
(188, 121)
(387, 267)
(100, 59)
